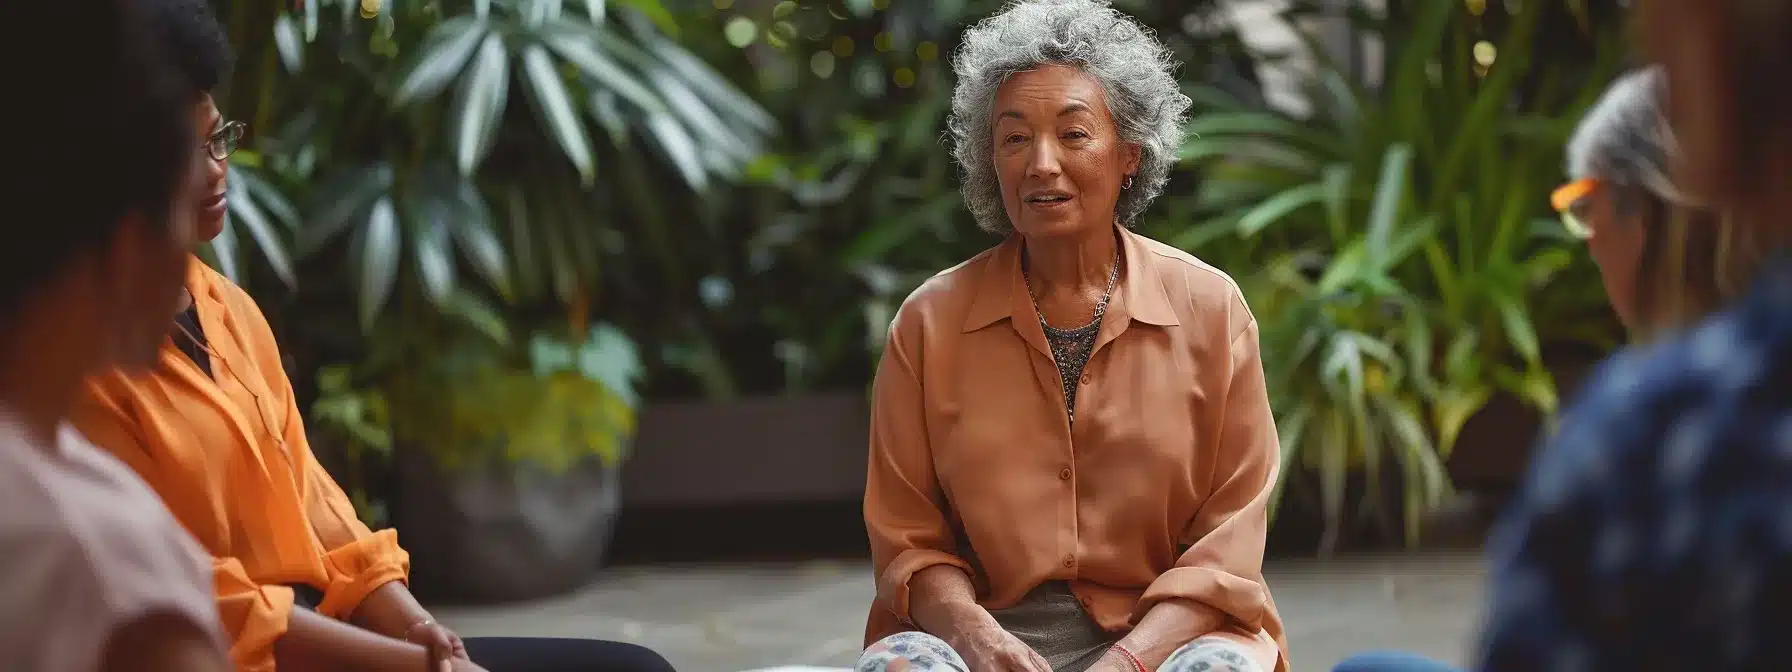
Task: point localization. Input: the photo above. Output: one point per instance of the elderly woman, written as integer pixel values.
(1071, 446)
(1663, 258)
(1638, 542)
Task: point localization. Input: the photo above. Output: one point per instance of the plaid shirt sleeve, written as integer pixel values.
(1654, 531)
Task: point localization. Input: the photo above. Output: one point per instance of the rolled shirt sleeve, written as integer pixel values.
(359, 568)
(1223, 567)
(904, 507)
(357, 559)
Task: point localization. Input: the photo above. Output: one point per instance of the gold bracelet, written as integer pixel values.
(414, 626)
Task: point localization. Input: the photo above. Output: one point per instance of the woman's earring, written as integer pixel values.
(1127, 184)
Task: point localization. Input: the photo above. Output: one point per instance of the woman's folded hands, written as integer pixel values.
(986, 647)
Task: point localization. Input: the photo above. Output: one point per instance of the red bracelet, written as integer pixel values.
(1137, 665)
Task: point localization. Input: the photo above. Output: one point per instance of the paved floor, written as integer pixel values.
(733, 617)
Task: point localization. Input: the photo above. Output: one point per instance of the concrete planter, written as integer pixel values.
(500, 532)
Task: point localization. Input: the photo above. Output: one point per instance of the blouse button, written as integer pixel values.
(1069, 561)
(1086, 378)
(1064, 474)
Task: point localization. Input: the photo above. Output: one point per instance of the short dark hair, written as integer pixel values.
(190, 34)
(103, 130)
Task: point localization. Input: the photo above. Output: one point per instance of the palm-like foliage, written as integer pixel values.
(1406, 243)
(462, 170)
(407, 122)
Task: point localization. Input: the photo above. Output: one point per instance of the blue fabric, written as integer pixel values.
(1654, 531)
(1391, 661)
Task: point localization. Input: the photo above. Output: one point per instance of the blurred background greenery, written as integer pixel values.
(498, 229)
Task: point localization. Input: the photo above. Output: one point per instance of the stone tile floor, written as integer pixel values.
(745, 616)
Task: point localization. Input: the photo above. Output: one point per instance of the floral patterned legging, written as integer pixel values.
(927, 653)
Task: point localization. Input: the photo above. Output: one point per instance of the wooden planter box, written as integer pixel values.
(772, 450)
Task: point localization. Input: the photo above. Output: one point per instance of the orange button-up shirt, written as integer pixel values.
(1158, 491)
(228, 455)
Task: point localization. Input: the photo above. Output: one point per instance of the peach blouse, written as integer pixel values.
(1159, 490)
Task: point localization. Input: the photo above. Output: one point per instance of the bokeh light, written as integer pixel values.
(1485, 52)
(822, 64)
(741, 31)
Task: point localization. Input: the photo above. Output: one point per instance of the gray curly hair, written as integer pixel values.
(1135, 70)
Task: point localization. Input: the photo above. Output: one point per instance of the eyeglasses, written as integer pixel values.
(223, 141)
(1571, 201)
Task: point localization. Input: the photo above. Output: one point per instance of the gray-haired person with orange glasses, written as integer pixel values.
(1663, 257)
(1666, 261)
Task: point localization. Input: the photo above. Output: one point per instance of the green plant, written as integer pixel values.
(453, 391)
(1405, 240)
(357, 422)
(464, 170)
(404, 116)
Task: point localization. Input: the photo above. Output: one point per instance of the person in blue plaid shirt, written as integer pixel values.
(1654, 531)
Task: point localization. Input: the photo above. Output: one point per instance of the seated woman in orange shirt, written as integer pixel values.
(1071, 444)
(214, 429)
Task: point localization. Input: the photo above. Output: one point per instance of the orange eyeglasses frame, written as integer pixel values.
(1567, 200)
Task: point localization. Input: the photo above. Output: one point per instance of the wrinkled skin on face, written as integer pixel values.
(1058, 154)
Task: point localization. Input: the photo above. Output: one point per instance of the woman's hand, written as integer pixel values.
(317, 642)
(986, 647)
(441, 642)
(1001, 652)
(945, 606)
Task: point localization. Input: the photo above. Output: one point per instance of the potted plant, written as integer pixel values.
(468, 163)
(505, 455)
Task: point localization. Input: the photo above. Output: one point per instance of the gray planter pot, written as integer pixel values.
(500, 532)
